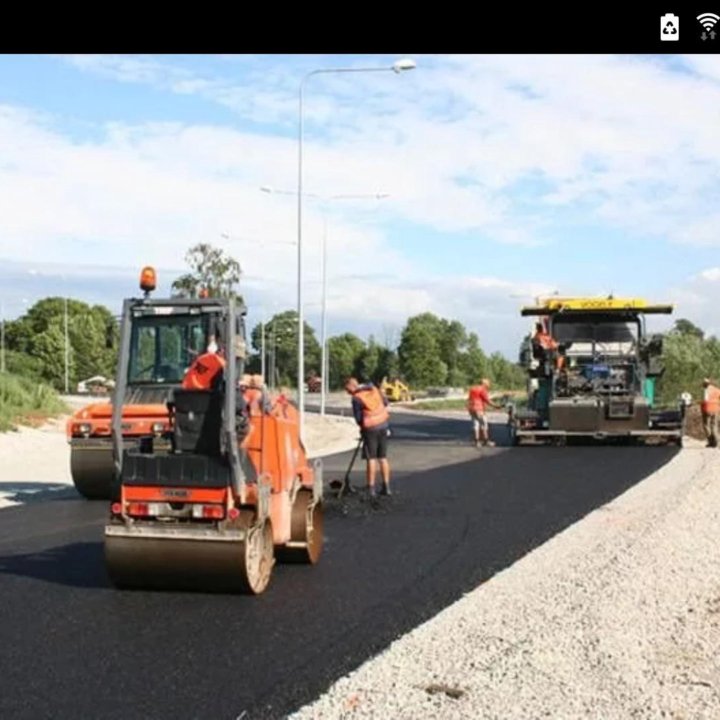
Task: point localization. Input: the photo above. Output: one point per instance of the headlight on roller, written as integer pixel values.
(83, 429)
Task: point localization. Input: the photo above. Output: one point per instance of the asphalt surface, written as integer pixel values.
(72, 646)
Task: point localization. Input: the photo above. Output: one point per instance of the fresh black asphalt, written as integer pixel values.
(71, 646)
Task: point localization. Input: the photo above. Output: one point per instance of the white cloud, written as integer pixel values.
(711, 274)
(629, 135)
(698, 300)
(499, 146)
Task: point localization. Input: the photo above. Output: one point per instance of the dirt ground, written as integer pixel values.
(694, 424)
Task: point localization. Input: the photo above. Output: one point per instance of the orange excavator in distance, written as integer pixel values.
(223, 491)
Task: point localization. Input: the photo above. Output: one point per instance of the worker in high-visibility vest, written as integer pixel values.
(370, 408)
(709, 408)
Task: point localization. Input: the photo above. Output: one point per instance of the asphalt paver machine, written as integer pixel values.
(597, 380)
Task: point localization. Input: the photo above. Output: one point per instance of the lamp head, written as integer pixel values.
(404, 64)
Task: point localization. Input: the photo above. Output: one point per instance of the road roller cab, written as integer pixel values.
(213, 501)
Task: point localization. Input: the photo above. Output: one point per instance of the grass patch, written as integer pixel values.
(26, 402)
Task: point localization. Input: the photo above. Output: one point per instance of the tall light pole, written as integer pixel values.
(262, 349)
(324, 200)
(2, 337)
(2, 332)
(397, 67)
(67, 348)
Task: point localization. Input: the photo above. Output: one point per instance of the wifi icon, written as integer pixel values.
(708, 21)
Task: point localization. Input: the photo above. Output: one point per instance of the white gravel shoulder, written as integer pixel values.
(616, 617)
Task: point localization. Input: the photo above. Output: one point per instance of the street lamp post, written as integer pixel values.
(272, 358)
(67, 349)
(324, 364)
(3, 366)
(323, 321)
(397, 67)
(262, 349)
(2, 337)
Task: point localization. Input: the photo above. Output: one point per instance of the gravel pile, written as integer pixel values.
(616, 617)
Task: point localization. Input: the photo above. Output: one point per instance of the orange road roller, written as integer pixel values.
(214, 499)
(88, 431)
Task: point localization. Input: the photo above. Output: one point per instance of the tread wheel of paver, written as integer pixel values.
(307, 527)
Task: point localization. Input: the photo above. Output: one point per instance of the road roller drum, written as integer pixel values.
(92, 468)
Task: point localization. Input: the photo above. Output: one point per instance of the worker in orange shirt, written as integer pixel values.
(478, 400)
(709, 408)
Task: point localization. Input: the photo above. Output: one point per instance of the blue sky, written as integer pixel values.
(506, 176)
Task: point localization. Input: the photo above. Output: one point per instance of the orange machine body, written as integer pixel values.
(273, 446)
(95, 420)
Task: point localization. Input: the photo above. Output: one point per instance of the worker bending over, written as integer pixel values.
(371, 414)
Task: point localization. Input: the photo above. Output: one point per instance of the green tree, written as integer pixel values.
(473, 362)
(212, 269)
(39, 338)
(504, 374)
(281, 345)
(344, 354)
(452, 341)
(687, 359)
(49, 348)
(419, 352)
(388, 363)
(367, 364)
(685, 327)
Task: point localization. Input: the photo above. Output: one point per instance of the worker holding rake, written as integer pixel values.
(371, 414)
